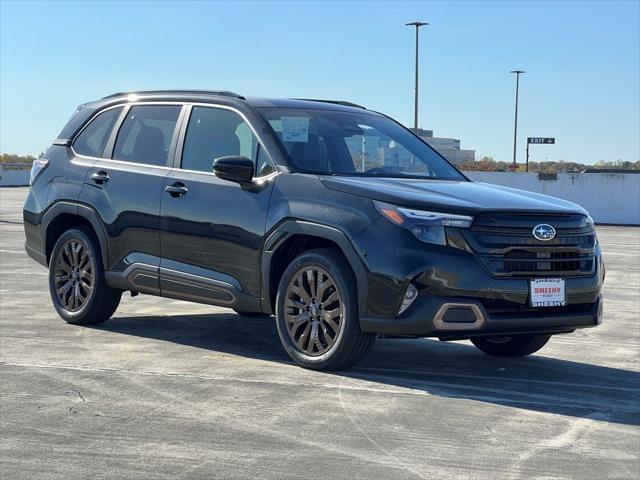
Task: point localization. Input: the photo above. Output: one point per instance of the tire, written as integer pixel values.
(75, 269)
(333, 282)
(516, 346)
(252, 314)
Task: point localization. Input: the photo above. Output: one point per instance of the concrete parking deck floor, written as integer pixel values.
(168, 389)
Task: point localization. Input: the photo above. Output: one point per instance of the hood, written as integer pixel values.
(450, 196)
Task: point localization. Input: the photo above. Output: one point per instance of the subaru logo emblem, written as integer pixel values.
(544, 232)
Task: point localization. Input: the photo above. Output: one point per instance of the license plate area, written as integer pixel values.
(547, 292)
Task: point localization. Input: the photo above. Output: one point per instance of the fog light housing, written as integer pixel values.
(410, 296)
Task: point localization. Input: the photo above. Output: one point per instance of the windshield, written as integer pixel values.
(331, 142)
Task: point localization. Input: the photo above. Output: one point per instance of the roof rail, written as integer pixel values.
(335, 102)
(222, 93)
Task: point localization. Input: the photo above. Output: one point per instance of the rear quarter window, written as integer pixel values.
(93, 139)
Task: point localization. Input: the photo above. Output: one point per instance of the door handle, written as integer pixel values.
(100, 177)
(178, 189)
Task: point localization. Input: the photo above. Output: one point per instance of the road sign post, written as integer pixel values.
(537, 141)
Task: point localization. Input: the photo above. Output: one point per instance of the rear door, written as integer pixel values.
(126, 187)
(212, 229)
(88, 146)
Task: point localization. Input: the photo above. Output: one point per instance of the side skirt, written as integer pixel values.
(182, 285)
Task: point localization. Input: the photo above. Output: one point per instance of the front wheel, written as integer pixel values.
(516, 346)
(317, 312)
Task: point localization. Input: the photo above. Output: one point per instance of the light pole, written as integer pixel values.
(415, 114)
(515, 125)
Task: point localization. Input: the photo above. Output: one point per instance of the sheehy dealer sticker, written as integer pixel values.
(295, 129)
(548, 292)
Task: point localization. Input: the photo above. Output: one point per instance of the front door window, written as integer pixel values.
(215, 132)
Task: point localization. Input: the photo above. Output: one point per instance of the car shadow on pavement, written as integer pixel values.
(453, 370)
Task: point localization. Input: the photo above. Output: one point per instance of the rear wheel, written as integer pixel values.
(317, 312)
(516, 346)
(76, 280)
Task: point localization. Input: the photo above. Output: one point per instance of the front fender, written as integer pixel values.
(291, 227)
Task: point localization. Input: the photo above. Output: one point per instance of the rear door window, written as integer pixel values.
(146, 133)
(94, 137)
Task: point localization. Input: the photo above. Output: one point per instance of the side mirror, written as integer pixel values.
(234, 168)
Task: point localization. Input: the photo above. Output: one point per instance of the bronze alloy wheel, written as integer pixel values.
(73, 275)
(313, 311)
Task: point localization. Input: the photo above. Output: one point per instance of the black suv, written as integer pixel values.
(335, 218)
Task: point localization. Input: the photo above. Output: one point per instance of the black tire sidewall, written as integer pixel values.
(345, 284)
(517, 346)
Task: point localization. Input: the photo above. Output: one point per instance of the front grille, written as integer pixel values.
(527, 261)
(506, 246)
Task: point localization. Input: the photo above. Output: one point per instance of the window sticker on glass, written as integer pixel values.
(295, 129)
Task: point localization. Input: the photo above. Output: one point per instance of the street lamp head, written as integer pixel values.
(517, 72)
(417, 24)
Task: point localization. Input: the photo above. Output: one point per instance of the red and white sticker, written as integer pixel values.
(548, 292)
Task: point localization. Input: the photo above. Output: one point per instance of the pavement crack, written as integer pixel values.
(386, 452)
(82, 400)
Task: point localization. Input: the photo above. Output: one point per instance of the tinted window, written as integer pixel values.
(350, 143)
(263, 163)
(77, 120)
(214, 133)
(94, 137)
(146, 134)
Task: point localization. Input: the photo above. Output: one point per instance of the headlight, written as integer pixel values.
(589, 221)
(426, 226)
(36, 169)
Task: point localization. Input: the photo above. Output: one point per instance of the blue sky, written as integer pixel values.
(582, 59)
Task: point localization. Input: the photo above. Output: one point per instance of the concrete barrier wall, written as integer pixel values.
(14, 178)
(609, 197)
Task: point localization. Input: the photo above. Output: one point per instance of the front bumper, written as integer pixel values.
(445, 275)
(426, 320)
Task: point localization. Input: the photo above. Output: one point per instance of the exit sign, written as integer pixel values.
(540, 140)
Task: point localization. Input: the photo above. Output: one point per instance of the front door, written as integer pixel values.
(212, 229)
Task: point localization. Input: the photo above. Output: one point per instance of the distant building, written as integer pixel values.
(449, 148)
(373, 150)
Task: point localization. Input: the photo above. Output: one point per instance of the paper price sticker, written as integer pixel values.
(295, 129)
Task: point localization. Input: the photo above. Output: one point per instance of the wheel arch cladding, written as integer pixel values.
(294, 237)
(62, 216)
